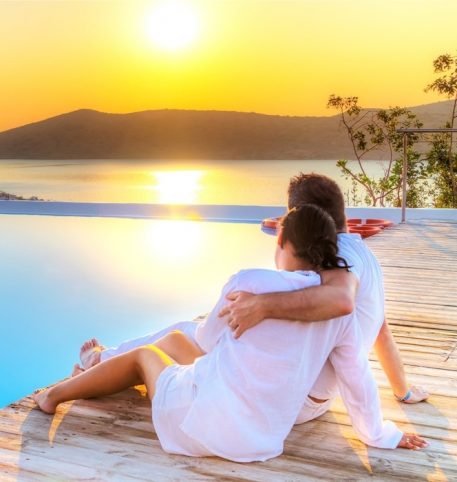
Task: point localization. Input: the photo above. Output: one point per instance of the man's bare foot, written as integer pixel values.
(43, 401)
(90, 353)
(77, 370)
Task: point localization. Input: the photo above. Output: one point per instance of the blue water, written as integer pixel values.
(64, 280)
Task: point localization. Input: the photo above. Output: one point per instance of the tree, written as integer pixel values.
(371, 131)
(442, 160)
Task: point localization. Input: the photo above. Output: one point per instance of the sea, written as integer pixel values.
(221, 182)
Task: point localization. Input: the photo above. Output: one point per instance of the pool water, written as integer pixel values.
(67, 279)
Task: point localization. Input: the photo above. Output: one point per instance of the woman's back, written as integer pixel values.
(249, 391)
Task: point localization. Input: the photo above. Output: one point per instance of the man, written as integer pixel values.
(338, 295)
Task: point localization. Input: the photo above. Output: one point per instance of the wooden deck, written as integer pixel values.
(112, 438)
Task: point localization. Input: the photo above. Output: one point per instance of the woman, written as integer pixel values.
(239, 399)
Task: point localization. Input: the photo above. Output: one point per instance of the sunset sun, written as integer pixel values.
(173, 25)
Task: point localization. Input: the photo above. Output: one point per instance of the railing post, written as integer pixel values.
(404, 177)
(406, 132)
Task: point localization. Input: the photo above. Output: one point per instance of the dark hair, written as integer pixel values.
(312, 233)
(321, 191)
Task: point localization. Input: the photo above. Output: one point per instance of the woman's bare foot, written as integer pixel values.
(77, 370)
(43, 401)
(90, 353)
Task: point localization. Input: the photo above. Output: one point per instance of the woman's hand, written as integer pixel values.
(412, 441)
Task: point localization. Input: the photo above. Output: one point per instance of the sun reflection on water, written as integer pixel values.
(175, 241)
(177, 187)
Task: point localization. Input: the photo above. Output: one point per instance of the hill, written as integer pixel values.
(183, 134)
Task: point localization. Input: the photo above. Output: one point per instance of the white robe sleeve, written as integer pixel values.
(211, 329)
(359, 391)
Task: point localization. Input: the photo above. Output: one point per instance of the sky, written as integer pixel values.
(269, 56)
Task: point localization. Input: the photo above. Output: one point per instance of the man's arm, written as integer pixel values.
(390, 360)
(360, 395)
(333, 298)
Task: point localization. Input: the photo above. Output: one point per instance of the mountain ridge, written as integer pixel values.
(189, 134)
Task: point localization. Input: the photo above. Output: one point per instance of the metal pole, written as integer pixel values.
(405, 133)
(405, 175)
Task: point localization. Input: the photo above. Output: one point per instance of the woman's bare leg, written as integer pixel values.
(92, 352)
(142, 365)
(178, 346)
(138, 366)
(175, 344)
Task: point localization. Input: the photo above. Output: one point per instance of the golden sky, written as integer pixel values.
(268, 56)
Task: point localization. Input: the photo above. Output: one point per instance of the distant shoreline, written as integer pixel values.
(5, 196)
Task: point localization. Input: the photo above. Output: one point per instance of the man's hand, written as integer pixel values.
(412, 441)
(418, 394)
(244, 311)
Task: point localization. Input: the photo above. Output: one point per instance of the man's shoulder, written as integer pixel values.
(355, 250)
(350, 239)
(352, 242)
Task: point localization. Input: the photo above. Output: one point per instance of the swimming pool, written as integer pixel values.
(66, 279)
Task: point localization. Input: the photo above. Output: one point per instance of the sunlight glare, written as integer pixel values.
(175, 241)
(177, 187)
(173, 25)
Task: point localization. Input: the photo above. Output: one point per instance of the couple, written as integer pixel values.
(255, 387)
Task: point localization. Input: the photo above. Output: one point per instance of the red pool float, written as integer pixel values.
(365, 230)
(381, 223)
(270, 223)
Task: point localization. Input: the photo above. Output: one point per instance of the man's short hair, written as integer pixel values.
(321, 191)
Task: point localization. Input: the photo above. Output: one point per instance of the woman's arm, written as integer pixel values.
(211, 329)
